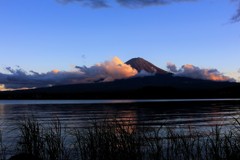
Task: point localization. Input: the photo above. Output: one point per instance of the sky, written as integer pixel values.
(54, 36)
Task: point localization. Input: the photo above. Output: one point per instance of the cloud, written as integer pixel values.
(83, 56)
(125, 3)
(18, 79)
(144, 73)
(171, 67)
(189, 70)
(236, 17)
(2, 87)
(88, 3)
(144, 3)
(106, 71)
(141, 3)
(109, 70)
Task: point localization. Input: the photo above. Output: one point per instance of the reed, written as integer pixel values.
(43, 141)
(31, 137)
(107, 141)
(2, 148)
(117, 140)
(54, 140)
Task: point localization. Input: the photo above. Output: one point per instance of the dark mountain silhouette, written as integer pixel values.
(141, 64)
(149, 87)
(161, 85)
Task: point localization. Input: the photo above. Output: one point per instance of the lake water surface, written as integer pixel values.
(79, 113)
(201, 114)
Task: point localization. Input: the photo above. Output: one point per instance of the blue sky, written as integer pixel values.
(43, 35)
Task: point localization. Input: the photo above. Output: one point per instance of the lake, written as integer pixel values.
(200, 114)
(79, 113)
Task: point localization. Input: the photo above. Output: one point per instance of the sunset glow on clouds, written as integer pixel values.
(109, 70)
(106, 71)
(189, 70)
(2, 87)
(100, 72)
(56, 71)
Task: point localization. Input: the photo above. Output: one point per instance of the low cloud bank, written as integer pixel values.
(17, 78)
(191, 71)
(106, 71)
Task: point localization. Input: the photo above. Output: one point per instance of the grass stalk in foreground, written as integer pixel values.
(2, 148)
(116, 140)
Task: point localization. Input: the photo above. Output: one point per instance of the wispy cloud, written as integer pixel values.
(88, 3)
(107, 71)
(189, 70)
(141, 3)
(125, 3)
(236, 17)
(144, 3)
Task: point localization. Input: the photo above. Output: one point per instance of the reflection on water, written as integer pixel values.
(127, 119)
(2, 110)
(131, 114)
(76, 113)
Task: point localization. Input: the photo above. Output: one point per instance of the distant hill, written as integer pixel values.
(149, 87)
(141, 64)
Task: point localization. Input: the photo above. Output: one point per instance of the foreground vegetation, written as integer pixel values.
(117, 140)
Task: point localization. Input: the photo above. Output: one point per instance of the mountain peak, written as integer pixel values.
(142, 64)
